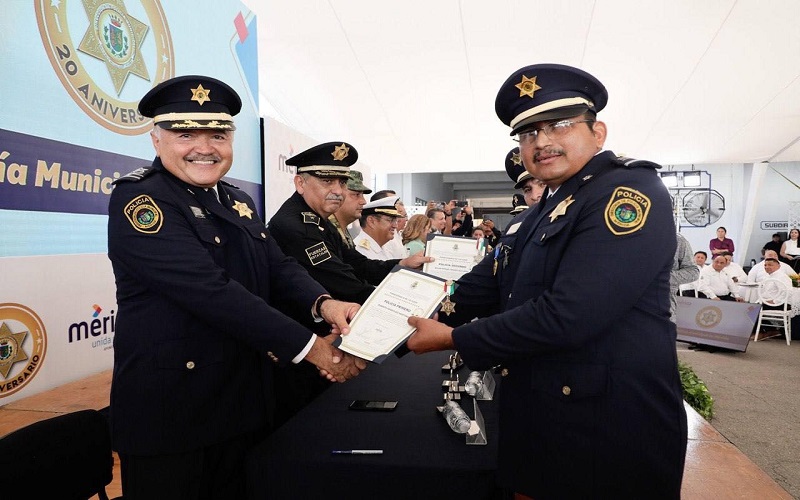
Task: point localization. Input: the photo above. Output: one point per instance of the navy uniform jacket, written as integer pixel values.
(194, 326)
(315, 243)
(592, 403)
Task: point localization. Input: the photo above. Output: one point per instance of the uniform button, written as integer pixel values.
(509, 295)
(190, 365)
(263, 235)
(504, 372)
(216, 239)
(566, 390)
(272, 356)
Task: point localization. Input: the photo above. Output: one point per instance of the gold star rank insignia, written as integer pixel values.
(515, 159)
(561, 208)
(340, 152)
(243, 209)
(200, 95)
(527, 86)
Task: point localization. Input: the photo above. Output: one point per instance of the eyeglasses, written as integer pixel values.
(554, 131)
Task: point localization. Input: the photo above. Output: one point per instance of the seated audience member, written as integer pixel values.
(774, 244)
(733, 269)
(684, 271)
(773, 270)
(790, 251)
(717, 285)
(700, 258)
(721, 243)
(758, 273)
(378, 225)
(415, 235)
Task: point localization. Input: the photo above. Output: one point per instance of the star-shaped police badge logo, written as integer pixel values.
(243, 209)
(448, 306)
(527, 86)
(561, 208)
(200, 95)
(340, 152)
(516, 159)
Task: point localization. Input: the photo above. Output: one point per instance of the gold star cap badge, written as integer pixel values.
(340, 152)
(561, 208)
(200, 95)
(516, 159)
(527, 86)
(243, 209)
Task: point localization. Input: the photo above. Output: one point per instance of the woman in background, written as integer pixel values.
(790, 251)
(416, 233)
(721, 244)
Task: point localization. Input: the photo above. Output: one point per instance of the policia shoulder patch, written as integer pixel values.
(144, 215)
(626, 211)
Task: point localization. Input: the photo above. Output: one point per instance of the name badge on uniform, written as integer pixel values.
(317, 254)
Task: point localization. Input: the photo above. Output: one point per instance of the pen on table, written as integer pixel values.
(357, 452)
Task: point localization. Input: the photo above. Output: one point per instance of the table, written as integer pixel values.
(422, 457)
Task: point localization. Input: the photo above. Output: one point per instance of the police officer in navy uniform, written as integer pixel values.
(196, 331)
(303, 231)
(591, 405)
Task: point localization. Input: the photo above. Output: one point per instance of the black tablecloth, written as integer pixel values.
(422, 457)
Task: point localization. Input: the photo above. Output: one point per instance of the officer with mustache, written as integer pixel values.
(303, 231)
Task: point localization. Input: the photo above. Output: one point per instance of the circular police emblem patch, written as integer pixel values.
(626, 211)
(144, 215)
(708, 317)
(23, 344)
(103, 63)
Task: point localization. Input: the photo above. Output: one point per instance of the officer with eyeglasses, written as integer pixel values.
(591, 406)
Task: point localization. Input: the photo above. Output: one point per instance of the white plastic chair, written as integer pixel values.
(774, 293)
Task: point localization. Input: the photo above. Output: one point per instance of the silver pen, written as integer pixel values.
(357, 452)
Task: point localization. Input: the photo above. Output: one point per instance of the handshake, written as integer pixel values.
(333, 364)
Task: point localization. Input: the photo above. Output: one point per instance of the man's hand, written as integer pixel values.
(338, 314)
(430, 336)
(415, 261)
(332, 363)
(467, 210)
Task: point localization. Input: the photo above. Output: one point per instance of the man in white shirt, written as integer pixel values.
(717, 285)
(378, 225)
(700, 258)
(758, 274)
(733, 269)
(395, 248)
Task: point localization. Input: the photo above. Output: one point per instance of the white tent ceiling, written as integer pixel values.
(412, 84)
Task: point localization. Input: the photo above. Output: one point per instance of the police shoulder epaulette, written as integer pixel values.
(229, 184)
(626, 162)
(135, 176)
(310, 218)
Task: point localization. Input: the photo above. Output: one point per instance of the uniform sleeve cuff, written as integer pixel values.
(305, 350)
